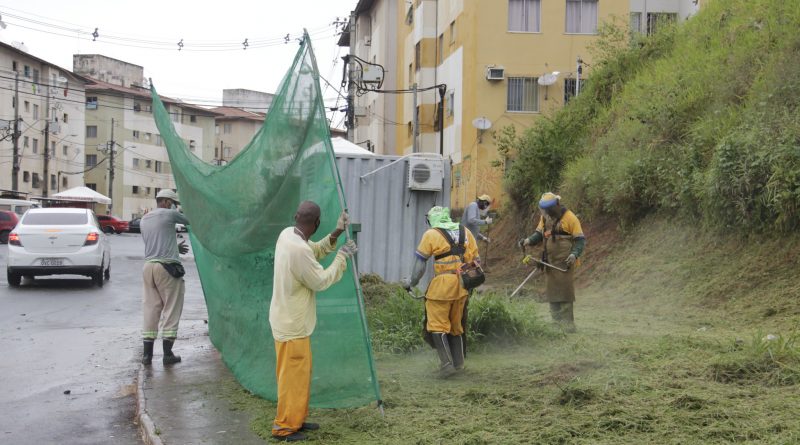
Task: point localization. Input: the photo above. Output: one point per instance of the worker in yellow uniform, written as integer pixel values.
(293, 312)
(561, 233)
(446, 297)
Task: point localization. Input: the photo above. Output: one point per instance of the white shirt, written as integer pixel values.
(298, 276)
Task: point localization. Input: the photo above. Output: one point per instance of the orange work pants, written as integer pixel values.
(445, 315)
(293, 370)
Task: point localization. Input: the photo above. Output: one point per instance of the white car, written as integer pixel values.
(56, 241)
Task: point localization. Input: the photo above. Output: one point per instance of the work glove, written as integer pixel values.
(344, 220)
(183, 248)
(406, 283)
(523, 242)
(571, 259)
(527, 260)
(488, 220)
(486, 238)
(349, 249)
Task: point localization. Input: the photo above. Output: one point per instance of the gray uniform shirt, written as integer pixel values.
(472, 219)
(158, 233)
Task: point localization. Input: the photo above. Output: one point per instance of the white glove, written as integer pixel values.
(406, 283)
(489, 220)
(349, 249)
(344, 220)
(524, 242)
(571, 259)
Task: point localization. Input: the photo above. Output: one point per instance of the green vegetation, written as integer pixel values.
(699, 120)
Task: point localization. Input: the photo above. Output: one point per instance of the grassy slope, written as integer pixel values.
(656, 359)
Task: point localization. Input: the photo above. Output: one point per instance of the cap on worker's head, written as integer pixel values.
(548, 200)
(168, 194)
(485, 197)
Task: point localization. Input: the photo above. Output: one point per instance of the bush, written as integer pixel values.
(769, 360)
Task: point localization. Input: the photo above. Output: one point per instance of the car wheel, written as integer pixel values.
(108, 230)
(14, 279)
(4, 237)
(107, 273)
(98, 278)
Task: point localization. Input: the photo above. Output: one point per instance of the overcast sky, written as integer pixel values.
(147, 33)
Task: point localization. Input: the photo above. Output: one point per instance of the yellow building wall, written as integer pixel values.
(482, 30)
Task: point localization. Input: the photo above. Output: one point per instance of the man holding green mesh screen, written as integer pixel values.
(293, 312)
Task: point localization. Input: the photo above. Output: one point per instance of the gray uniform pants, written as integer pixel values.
(162, 300)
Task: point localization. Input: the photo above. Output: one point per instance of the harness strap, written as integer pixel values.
(455, 249)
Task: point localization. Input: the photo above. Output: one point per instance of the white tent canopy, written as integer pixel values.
(83, 194)
(342, 146)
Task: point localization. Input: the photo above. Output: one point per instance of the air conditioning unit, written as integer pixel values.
(425, 174)
(495, 73)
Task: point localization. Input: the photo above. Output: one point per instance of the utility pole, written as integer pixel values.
(15, 137)
(442, 91)
(46, 143)
(111, 149)
(351, 85)
(578, 71)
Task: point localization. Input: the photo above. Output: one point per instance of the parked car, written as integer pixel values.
(58, 241)
(8, 220)
(18, 206)
(133, 225)
(110, 224)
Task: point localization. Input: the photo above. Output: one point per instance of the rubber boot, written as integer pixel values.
(147, 352)
(457, 350)
(555, 312)
(567, 317)
(446, 368)
(169, 357)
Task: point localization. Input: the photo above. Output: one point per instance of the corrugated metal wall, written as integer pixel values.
(392, 217)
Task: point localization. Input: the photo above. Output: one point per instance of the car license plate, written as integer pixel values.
(52, 262)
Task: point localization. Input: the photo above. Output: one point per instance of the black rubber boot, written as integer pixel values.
(446, 368)
(169, 357)
(147, 352)
(457, 350)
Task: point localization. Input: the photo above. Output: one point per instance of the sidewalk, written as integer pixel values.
(188, 403)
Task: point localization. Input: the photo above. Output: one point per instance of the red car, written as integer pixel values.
(8, 220)
(110, 224)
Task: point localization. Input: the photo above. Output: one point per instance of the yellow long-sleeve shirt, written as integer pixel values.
(297, 278)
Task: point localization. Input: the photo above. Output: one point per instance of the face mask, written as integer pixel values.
(173, 206)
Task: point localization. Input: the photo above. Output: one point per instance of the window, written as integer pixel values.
(192, 118)
(158, 166)
(417, 55)
(26, 176)
(27, 71)
(65, 119)
(25, 142)
(14, 65)
(410, 74)
(157, 190)
(91, 160)
(656, 20)
(148, 163)
(523, 94)
(27, 107)
(453, 32)
(35, 181)
(35, 147)
(581, 17)
(91, 131)
(216, 129)
(158, 140)
(35, 111)
(227, 152)
(450, 104)
(135, 162)
(147, 136)
(91, 102)
(64, 150)
(147, 191)
(192, 144)
(636, 22)
(35, 75)
(135, 189)
(226, 128)
(53, 183)
(92, 186)
(176, 116)
(524, 15)
(569, 88)
(64, 182)
(136, 134)
(52, 149)
(440, 55)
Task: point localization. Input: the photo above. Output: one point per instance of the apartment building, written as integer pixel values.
(46, 102)
(122, 140)
(471, 67)
(235, 128)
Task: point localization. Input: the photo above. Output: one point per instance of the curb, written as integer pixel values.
(147, 428)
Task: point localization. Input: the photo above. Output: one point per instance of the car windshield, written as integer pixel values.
(55, 219)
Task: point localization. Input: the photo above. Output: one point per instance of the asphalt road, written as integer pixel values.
(70, 352)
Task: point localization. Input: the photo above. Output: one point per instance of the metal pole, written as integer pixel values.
(15, 137)
(351, 81)
(442, 91)
(415, 132)
(111, 169)
(46, 153)
(578, 70)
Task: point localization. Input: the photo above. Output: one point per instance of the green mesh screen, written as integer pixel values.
(237, 212)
